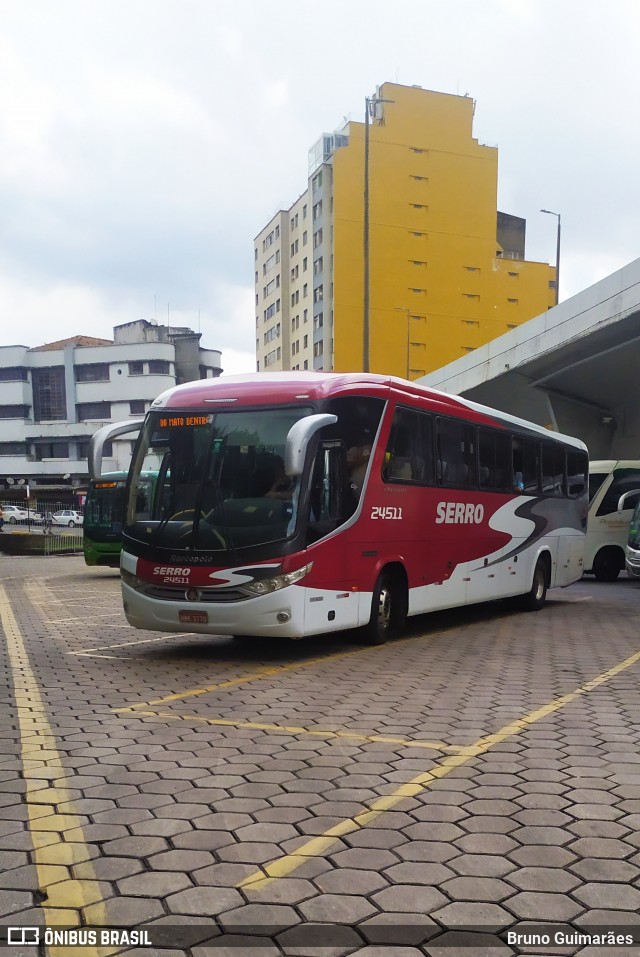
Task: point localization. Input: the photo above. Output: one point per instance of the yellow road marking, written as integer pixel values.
(66, 896)
(319, 845)
(296, 730)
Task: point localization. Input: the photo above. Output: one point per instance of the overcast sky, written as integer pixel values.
(144, 143)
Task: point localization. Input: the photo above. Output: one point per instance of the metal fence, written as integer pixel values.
(68, 543)
(37, 510)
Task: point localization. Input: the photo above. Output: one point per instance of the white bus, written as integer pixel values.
(264, 522)
(608, 528)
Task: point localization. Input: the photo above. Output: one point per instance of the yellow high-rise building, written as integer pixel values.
(447, 271)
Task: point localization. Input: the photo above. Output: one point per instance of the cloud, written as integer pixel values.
(143, 146)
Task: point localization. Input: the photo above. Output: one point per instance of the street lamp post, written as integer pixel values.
(551, 213)
(404, 309)
(365, 241)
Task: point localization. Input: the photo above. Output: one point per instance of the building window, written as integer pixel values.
(93, 372)
(316, 182)
(159, 367)
(13, 374)
(318, 294)
(14, 411)
(13, 448)
(136, 368)
(318, 321)
(93, 410)
(304, 237)
(317, 348)
(317, 210)
(318, 266)
(514, 301)
(136, 406)
(305, 342)
(304, 211)
(49, 394)
(317, 238)
(50, 450)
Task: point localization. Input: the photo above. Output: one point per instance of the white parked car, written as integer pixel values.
(68, 517)
(14, 514)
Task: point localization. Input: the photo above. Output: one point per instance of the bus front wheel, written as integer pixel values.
(608, 564)
(388, 610)
(535, 598)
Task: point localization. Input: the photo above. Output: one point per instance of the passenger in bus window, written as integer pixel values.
(518, 484)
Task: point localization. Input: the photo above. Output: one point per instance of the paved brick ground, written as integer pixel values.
(143, 778)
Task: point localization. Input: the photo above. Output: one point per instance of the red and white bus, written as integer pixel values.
(257, 527)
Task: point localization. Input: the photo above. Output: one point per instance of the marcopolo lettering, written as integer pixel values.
(459, 513)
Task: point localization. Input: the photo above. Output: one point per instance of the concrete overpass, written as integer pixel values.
(576, 368)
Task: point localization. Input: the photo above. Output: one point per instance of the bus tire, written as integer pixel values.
(535, 598)
(388, 609)
(607, 564)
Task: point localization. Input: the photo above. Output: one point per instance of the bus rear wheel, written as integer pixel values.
(388, 610)
(535, 598)
(607, 564)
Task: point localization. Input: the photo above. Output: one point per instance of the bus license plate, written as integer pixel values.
(195, 617)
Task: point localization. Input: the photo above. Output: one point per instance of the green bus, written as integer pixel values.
(104, 512)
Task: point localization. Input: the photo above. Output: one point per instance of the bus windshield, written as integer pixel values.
(221, 480)
(104, 509)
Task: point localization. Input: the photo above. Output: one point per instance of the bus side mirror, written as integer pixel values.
(623, 500)
(300, 434)
(104, 435)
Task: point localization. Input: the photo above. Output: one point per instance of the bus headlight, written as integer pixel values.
(130, 579)
(266, 585)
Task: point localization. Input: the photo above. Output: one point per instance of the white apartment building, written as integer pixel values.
(55, 396)
(293, 265)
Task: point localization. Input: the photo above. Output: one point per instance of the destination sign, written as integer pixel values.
(185, 421)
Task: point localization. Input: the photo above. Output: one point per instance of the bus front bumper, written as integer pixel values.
(279, 614)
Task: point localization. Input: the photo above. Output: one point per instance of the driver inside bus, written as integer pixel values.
(357, 464)
(282, 487)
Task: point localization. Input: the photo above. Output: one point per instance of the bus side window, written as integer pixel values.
(494, 458)
(456, 443)
(408, 457)
(526, 466)
(577, 473)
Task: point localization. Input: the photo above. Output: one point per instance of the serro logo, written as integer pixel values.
(170, 570)
(459, 513)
